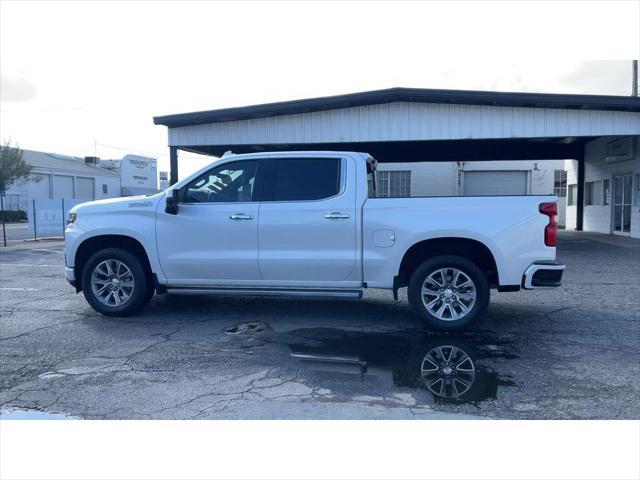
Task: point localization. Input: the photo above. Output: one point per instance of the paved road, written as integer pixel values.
(567, 353)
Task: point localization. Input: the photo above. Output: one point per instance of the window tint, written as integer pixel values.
(232, 182)
(593, 193)
(306, 178)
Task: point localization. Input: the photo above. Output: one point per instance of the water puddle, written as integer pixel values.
(454, 368)
(32, 415)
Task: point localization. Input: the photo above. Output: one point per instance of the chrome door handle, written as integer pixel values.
(336, 215)
(240, 216)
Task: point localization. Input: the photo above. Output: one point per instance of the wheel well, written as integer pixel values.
(94, 244)
(472, 250)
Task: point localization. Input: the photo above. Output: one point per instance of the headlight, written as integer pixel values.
(72, 218)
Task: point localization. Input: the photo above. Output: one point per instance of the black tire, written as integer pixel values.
(140, 294)
(467, 267)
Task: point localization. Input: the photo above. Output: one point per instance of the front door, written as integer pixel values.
(622, 204)
(213, 239)
(308, 222)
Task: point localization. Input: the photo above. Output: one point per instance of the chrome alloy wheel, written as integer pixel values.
(448, 371)
(448, 294)
(112, 282)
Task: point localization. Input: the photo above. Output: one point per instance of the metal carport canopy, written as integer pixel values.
(401, 124)
(410, 124)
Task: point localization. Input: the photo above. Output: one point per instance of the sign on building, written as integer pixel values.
(620, 150)
(138, 175)
(164, 180)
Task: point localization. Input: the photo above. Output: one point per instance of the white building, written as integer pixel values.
(61, 176)
(56, 176)
(525, 177)
(611, 188)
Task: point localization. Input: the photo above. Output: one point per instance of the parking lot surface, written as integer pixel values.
(572, 352)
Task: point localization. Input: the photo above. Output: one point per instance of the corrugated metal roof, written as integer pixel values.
(408, 121)
(56, 161)
(419, 95)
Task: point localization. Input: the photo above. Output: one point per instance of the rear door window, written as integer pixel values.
(300, 179)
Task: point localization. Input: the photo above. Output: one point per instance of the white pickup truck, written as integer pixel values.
(309, 224)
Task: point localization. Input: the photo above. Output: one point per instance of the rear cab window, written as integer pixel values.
(304, 179)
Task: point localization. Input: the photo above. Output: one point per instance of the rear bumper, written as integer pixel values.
(540, 275)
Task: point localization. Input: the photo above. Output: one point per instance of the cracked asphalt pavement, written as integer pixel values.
(571, 352)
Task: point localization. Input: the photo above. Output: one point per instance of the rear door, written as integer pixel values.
(307, 227)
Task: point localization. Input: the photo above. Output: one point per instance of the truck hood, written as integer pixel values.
(118, 203)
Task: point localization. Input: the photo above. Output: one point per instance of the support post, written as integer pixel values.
(580, 196)
(63, 221)
(35, 232)
(4, 230)
(173, 165)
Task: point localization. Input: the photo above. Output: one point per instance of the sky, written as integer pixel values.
(86, 78)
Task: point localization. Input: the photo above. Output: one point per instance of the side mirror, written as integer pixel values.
(171, 205)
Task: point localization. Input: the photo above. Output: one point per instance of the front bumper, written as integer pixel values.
(540, 275)
(70, 275)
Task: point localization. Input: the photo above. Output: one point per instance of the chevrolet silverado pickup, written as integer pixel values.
(309, 224)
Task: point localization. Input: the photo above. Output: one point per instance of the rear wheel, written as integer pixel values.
(114, 283)
(448, 292)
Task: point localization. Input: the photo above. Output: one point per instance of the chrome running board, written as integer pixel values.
(268, 292)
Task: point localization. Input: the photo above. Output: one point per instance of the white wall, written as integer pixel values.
(428, 178)
(441, 178)
(113, 187)
(597, 218)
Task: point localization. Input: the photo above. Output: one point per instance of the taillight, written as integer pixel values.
(551, 230)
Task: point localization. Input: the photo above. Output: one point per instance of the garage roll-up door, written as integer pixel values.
(62, 186)
(42, 187)
(85, 188)
(495, 183)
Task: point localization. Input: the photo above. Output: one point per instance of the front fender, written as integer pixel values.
(144, 233)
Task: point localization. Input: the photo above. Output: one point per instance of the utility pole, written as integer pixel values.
(634, 75)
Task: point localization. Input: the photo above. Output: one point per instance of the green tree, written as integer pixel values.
(12, 167)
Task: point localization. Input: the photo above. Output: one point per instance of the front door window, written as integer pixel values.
(227, 183)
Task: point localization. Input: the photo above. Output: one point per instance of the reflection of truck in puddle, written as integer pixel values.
(451, 367)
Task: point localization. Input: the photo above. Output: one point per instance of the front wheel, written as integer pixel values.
(448, 292)
(114, 283)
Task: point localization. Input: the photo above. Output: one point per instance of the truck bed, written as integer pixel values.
(510, 226)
